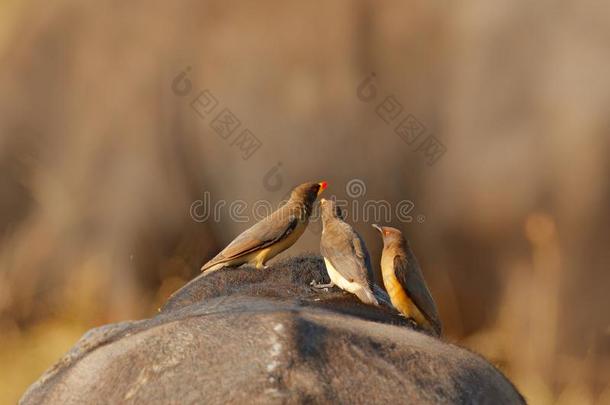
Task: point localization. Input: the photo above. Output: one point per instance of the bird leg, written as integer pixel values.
(260, 262)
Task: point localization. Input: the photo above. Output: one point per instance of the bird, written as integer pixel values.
(345, 255)
(404, 281)
(273, 234)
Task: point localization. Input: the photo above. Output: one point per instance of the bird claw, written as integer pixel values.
(321, 286)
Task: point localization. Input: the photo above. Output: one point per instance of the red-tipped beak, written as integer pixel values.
(323, 186)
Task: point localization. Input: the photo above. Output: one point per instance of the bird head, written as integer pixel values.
(389, 234)
(331, 208)
(308, 192)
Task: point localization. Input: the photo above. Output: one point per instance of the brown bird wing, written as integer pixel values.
(346, 251)
(409, 275)
(263, 234)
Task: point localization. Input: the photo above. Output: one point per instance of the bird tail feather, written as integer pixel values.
(381, 295)
(211, 267)
(365, 295)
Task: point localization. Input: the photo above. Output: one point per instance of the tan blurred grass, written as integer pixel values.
(26, 354)
(531, 358)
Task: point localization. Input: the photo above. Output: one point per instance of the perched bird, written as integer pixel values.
(272, 235)
(347, 261)
(405, 282)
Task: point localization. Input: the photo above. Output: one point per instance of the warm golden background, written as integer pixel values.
(100, 162)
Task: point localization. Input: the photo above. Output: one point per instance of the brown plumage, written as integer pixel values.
(405, 282)
(347, 261)
(272, 235)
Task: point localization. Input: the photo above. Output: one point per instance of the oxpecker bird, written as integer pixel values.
(404, 281)
(272, 235)
(347, 261)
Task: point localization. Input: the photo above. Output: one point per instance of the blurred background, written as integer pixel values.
(109, 135)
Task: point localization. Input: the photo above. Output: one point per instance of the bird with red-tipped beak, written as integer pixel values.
(404, 281)
(272, 235)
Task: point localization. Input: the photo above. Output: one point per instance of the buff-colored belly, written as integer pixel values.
(337, 278)
(362, 292)
(401, 300)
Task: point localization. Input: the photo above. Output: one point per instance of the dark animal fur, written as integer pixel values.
(265, 336)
